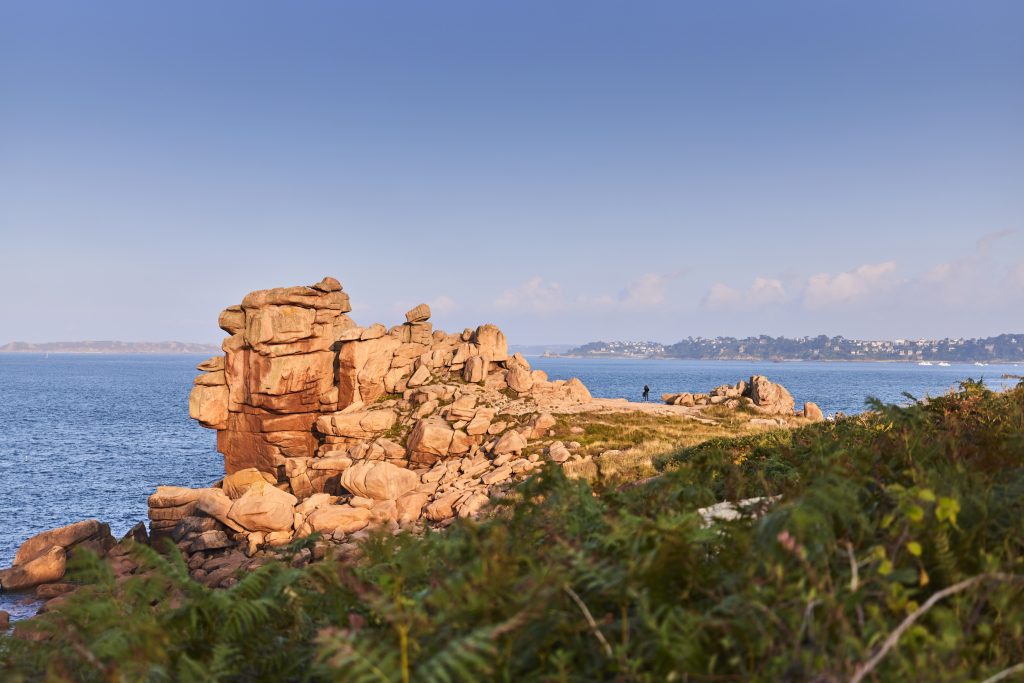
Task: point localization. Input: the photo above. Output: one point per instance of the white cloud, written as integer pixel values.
(964, 280)
(1016, 277)
(851, 287)
(762, 292)
(539, 296)
(443, 304)
(535, 296)
(646, 292)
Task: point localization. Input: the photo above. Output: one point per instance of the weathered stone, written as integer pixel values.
(237, 483)
(442, 507)
(519, 380)
(383, 511)
(193, 525)
(210, 379)
(510, 442)
(232, 320)
(461, 443)
(497, 476)
(420, 377)
(208, 406)
(577, 390)
(364, 424)
(492, 342)
(540, 424)
(481, 422)
(63, 537)
(210, 540)
(45, 567)
(557, 452)
(315, 501)
(48, 591)
(172, 513)
(419, 314)
(410, 505)
(328, 284)
(517, 360)
(337, 463)
(430, 439)
(472, 505)
(216, 504)
(770, 397)
(475, 369)
(374, 331)
(379, 480)
(473, 467)
(390, 448)
(263, 508)
(330, 519)
(813, 412)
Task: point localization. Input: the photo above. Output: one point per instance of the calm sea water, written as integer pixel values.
(835, 387)
(91, 436)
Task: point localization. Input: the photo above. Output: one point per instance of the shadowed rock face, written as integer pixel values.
(277, 374)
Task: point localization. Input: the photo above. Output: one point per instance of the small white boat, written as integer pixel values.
(981, 365)
(925, 362)
(943, 364)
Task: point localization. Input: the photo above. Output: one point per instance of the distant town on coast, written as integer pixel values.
(1004, 348)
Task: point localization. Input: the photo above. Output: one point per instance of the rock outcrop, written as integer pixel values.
(759, 394)
(42, 558)
(331, 427)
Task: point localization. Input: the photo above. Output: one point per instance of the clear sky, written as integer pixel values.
(569, 170)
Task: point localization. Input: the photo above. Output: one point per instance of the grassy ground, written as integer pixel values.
(643, 439)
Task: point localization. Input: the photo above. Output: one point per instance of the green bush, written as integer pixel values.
(906, 524)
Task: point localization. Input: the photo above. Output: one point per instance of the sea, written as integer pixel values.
(92, 435)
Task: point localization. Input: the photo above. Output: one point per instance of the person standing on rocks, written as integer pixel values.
(647, 393)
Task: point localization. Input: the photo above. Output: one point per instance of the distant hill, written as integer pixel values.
(1001, 348)
(109, 347)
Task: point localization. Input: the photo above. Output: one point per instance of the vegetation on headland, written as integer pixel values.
(893, 551)
(1001, 348)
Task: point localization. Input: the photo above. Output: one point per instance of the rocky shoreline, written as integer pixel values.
(339, 430)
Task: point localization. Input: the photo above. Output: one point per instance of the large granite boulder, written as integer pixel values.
(331, 519)
(264, 508)
(47, 567)
(43, 557)
(379, 480)
(89, 533)
(769, 397)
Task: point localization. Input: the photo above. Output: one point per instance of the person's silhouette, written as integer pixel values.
(647, 392)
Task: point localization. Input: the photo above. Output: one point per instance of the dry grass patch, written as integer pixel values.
(638, 439)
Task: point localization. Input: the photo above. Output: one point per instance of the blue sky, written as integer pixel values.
(569, 170)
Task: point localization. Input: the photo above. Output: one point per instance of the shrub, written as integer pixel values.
(893, 552)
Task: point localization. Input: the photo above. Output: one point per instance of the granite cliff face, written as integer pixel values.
(299, 379)
(329, 426)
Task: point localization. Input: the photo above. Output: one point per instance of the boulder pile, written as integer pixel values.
(758, 394)
(330, 427)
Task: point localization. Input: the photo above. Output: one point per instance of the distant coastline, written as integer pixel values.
(735, 359)
(110, 347)
(1004, 348)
